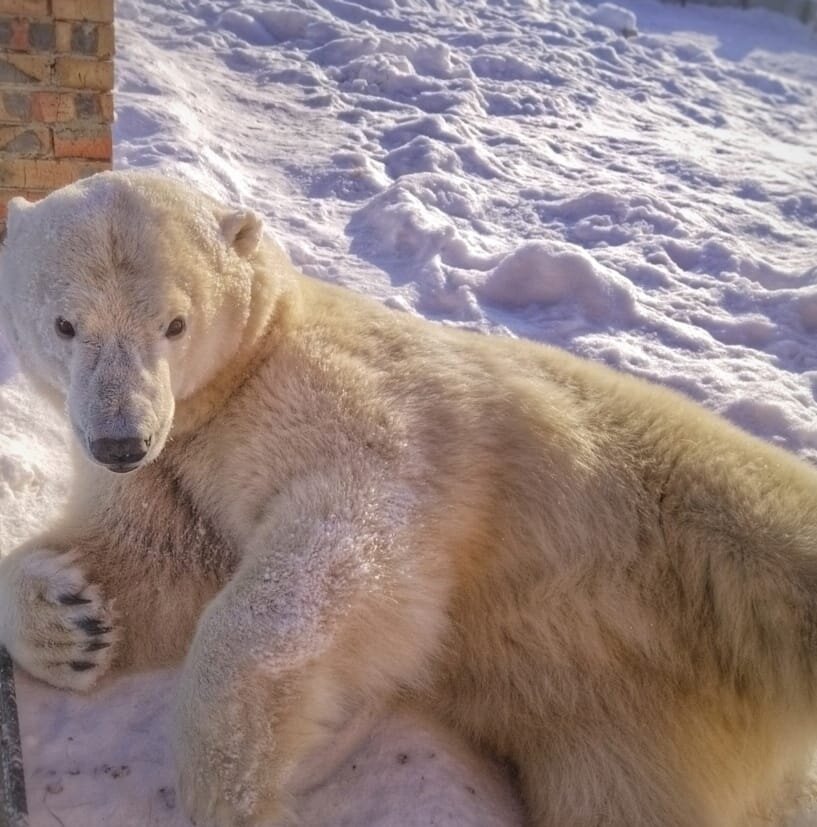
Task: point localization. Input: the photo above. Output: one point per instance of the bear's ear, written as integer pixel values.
(16, 207)
(242, 231)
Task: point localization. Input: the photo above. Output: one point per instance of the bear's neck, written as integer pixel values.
(262, 337)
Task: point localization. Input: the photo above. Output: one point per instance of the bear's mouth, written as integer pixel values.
(122, 467)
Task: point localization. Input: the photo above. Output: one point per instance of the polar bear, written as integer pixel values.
(320, 504)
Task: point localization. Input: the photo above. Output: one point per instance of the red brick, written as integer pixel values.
(24, 68)
(25, 140)
(83, 142)
(18, 39)
(99, 10)
(63, 106)
(46, 174)
(28, 8)
(84, 38)
(105, 43)
(62, 29)
(83, 73)
(23, 35)
(41, 36)
(106, 107)
(15, 106)
(53, 107)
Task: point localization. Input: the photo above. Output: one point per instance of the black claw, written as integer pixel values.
(82, 665)
(96, 645)
(73, 600)
(92, 626)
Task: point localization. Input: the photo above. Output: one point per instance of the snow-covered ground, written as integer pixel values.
(637, 184)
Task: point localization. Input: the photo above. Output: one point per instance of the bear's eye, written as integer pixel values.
(175, 328)
(65, 328)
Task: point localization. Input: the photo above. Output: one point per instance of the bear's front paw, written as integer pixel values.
(54, 623)
(227, 767)
(223, 784)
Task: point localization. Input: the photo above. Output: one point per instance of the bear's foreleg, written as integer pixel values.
(119, 584)
(298, 636)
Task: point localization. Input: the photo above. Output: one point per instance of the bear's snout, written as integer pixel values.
(120, 455)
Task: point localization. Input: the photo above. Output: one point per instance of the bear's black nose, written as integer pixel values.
(120, 451)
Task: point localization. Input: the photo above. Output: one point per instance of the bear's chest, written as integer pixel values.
(237, 468)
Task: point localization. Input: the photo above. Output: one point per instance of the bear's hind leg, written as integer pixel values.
(600, 780)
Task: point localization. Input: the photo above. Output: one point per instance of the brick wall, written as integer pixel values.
(56, 108)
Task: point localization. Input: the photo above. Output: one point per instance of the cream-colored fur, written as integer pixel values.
(592, 577)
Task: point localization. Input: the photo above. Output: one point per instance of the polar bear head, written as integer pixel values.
(122, 295)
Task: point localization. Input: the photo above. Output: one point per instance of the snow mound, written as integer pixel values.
(33, 460)
(616, 18)
(542, 273)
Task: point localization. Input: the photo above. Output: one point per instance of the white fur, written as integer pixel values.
(589, 576)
